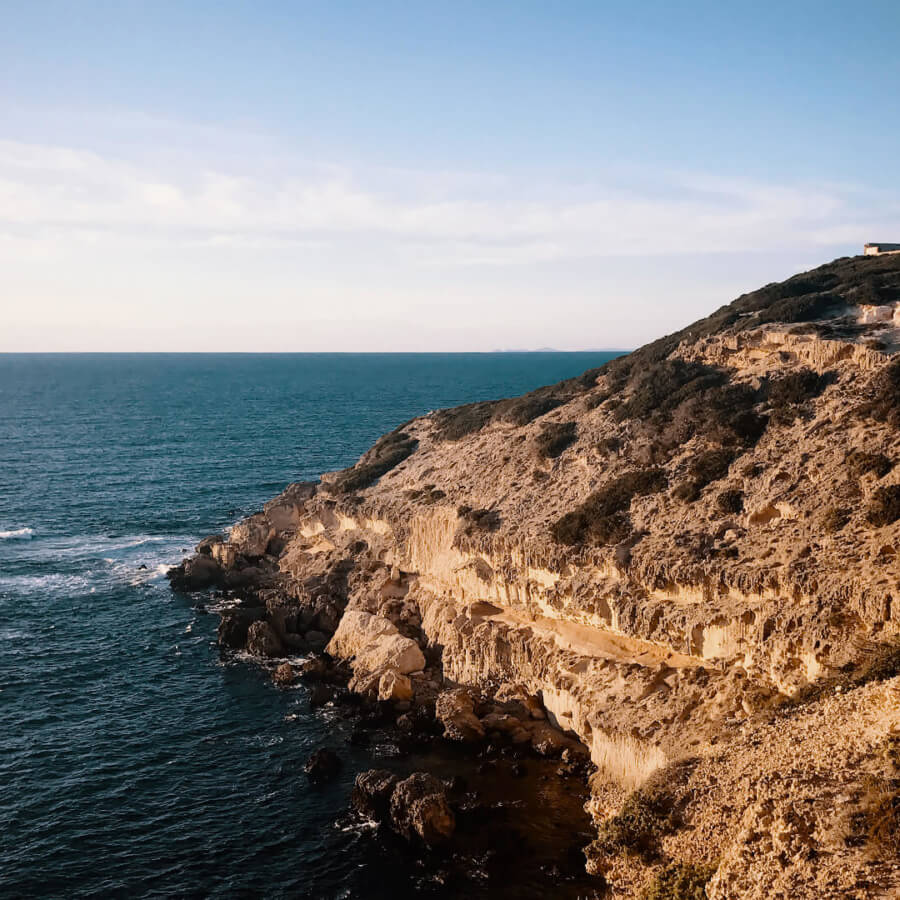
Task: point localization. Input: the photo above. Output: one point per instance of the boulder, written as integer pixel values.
(372, 792)
(284, 674)
(419, 810)
(455, 709)
(251, 536)
(263, 641)
(373, 644)
(394, 686)
(235, 625)
(548, 741)
(205, 546)
(322, 765)
(196, 574)
(501, 722)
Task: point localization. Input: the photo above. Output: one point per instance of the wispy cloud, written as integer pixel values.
(62, 195)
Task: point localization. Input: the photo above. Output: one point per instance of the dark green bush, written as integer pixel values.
(603, 517)
(637, 828)
(460, 421)
(610, 444)
(680, 881)
(555, 437)
(687, 491)
(525, 409)
(798, 387)
(711, 465)
(730, 502)
(477, 520)
(884, 405)
(861, 462)
(724, 415)
(884, 508)
(656, 391)
(387, 452)
(801, 309)
(835, 519)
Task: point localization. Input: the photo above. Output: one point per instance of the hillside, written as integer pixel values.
(686, 558)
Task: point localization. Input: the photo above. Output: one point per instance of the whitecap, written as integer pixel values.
(17, 534)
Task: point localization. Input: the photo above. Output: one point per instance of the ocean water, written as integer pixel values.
(135, 760)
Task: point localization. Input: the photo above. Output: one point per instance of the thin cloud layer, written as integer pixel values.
(52, 198)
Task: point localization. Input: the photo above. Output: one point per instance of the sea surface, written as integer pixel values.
(135, 761)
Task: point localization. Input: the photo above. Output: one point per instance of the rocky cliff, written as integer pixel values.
(685, 560)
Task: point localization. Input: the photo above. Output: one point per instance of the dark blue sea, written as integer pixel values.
(135, 761)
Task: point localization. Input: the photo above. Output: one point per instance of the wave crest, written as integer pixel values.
(17, 534)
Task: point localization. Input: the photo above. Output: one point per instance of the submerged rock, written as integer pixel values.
(322, 765)
(284, 674)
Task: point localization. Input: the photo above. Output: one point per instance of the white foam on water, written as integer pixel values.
(17, 534)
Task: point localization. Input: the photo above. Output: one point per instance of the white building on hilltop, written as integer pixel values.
(879, 249)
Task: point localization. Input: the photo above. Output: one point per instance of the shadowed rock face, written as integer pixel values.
(419, 810)
(655, 561)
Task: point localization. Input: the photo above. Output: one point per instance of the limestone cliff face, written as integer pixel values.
(668, 552)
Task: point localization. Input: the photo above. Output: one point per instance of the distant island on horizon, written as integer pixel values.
(557, 350)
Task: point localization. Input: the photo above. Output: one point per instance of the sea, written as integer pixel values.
(135, 759)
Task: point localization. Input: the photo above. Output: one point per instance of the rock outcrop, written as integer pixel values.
(420, 811)
(670, 562)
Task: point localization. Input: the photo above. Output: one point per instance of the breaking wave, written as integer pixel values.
(17, 534)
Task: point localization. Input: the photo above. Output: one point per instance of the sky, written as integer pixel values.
(349, 176)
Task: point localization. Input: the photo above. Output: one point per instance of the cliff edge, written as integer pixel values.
(686, 560)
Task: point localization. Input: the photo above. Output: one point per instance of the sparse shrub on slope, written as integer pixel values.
(835, 519)
(603, 517)
(711, 465)
(477, 520)
(635, 829)
(656, 391)
(798, 387)
(884, 405)
(730, 502)
(387, 452)
(725, 414)
(703, 469)
(680, 881)
(687, 491)
(884, 508)
(555, 437)
(460, 421)
(801, 309)
(861, 462)
(527, 408)
(882, 818)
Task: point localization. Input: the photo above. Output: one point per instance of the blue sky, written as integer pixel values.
(465, 176)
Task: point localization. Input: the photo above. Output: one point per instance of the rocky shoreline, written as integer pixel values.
(379, 672)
